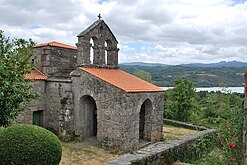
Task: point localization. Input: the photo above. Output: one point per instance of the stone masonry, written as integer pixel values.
(86, 95)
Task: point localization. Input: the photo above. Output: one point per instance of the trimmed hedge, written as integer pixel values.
(25, 144)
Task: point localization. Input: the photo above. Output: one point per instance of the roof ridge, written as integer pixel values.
(93, 25)
(55, 44)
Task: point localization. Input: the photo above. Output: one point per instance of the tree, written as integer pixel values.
(181, 101)
(143, 75)
(15, 90)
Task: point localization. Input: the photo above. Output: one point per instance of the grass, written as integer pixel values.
(89, 151)
(172, 133)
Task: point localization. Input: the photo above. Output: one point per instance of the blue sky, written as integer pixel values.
(101, 1)
(167, 31)
(239, 1)
(137, 45)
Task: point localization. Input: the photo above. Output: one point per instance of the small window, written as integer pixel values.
(38, 118)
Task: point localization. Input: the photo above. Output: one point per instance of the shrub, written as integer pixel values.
(25, 144)
(224, 111)
(181, 101)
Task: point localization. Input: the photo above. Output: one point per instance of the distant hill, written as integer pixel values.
(225, 73)
(214, 65)
(143, 64)
(219, 64)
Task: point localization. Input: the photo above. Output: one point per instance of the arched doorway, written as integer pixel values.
(88, 116)
(144, 120)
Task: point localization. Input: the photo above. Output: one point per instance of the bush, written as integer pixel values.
(225, 112)
(181, 101)
(25, 144)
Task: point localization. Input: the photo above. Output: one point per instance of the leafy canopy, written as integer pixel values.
(143, 75)
(15, 90)
(181, 102)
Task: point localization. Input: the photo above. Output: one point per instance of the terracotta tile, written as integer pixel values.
(36, 75)
(123, 80)
(55, 44)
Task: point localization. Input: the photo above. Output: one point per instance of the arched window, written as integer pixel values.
(106, 53)
(108, 45)
(91, 50)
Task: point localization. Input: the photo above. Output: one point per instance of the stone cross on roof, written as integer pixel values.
(99, 16)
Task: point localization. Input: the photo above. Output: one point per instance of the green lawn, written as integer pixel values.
(172, 133)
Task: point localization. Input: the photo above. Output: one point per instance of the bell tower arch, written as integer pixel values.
(102, 48)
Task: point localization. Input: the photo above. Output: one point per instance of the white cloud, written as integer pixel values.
(173, 32)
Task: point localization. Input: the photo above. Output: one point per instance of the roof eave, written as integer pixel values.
(144, 91)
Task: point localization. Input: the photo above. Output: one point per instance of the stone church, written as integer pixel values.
(83, 93)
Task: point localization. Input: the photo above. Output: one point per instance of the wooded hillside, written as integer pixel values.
(200, 76)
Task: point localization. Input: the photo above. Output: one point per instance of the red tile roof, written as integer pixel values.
(36, 75)
(123, 80)
(55, 44)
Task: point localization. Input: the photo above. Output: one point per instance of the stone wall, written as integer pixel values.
(183, 125)
(117, 111)
(129, 107)
(56, 103)
(37, 104)
(53, 60)
(59, 111)
(185, 149)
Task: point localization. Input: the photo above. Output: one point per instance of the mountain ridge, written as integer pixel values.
(214, 76)
(210, 65)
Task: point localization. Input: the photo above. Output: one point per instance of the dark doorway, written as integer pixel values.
(145, 121)
(38, 118)
(142, 122)
(88, 116)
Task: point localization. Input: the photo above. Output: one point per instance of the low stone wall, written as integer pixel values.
(185, 149)
(183, 125)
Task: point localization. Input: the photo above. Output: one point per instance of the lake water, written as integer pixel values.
(210, 89)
